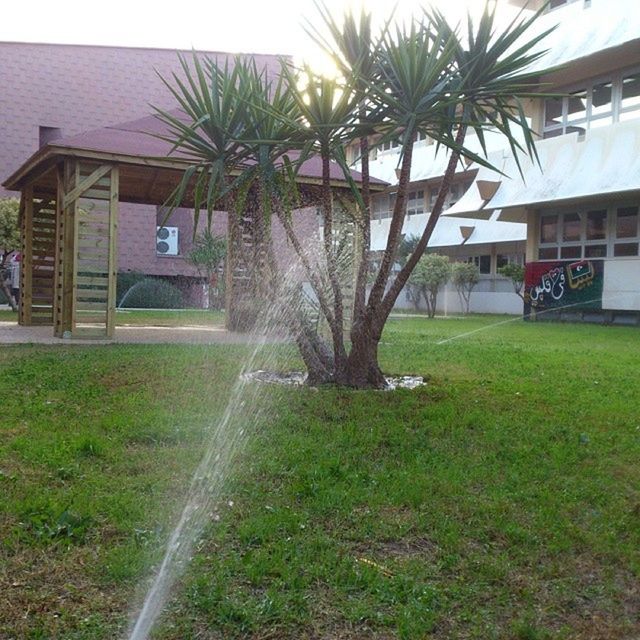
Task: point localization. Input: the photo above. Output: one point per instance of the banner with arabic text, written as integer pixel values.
(571, 285)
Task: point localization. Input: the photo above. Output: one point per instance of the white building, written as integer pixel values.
(576, 216)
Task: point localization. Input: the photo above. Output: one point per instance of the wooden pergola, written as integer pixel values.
(70, 195)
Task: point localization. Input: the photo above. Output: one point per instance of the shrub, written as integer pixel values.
(152, 293)
(431, 273)
(465, 276)
(126, 280)
(516, 273)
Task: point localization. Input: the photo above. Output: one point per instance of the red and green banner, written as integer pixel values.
(563, 285)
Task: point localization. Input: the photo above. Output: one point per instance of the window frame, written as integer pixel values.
(565, 126)
(610, 240)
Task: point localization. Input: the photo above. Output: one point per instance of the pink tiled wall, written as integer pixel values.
(78, 88)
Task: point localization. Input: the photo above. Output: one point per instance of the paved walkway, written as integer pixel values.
(12, 333)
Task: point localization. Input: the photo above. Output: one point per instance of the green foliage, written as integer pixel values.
(66, 526)
(9, 230)
(465, 276)
(431, 273)
(208, 252)
(124, 282)
(152, 293)
(207, 255)
(516, 273)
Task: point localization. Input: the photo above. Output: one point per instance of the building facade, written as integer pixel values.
(574, 217)
(581, 204)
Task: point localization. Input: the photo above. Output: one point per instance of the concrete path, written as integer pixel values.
(12, 333)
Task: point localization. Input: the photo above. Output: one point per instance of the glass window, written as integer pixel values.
(627, 222)
(601, 99)
(577, 107)
(415, 202)
(484, 264)
(568, 253)
(631, 92)
(625, 249)
(593, 106)
(380, 206)
(571, 227)
(596, 225)
(548, 253)
(549, 229)
(553, 112)
(595, 251)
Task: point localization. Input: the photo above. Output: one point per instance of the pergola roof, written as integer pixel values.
(149, 170)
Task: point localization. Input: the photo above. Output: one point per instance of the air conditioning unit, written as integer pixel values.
(167, 241)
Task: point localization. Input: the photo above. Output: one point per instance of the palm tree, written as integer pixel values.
(425, 78)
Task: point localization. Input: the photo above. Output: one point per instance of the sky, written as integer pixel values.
(251, 26)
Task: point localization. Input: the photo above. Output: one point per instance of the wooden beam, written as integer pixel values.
(113, 251)
(26, 260)
(84, 185)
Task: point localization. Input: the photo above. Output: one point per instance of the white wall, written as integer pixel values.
(621, 289)
(492, 295)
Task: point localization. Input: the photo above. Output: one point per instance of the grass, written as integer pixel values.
(154, 317)
(499, 501)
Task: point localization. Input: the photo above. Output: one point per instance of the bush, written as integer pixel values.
(431, 273)
(125, 281)
(465, 276)
(151, 293)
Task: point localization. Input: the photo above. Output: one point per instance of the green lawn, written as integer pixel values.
(156, 317)
(502, 500)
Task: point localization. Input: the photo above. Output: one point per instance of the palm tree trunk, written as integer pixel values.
(337, 326)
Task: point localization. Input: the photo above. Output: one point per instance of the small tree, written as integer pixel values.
(432, 272)
(405, 249)
(9, 241)
(465, 276)
(515, 272)
(207, 255)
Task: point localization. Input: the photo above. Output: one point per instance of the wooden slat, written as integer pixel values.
(83, 305)
(93, 243)
(93, 295)
(88, 280)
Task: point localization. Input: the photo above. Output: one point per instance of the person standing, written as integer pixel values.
(15, 277)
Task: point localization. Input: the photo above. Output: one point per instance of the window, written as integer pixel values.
(627, 232)
(482, 262)
(598, 105)
(456, 192)
(415, 203)
(390, 144)
(382, 205)
(591, 233)
(502, 260)
(549, 229)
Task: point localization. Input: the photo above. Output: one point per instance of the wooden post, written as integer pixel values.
(86, 249)
(26, 260)
(113, 252)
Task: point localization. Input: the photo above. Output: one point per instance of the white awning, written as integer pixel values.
(585, 30)
(451, 232)
(572, 167)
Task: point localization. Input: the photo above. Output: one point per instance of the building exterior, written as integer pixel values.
(575, 218)
(581, 204)
(488, 243)
(53, 92)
